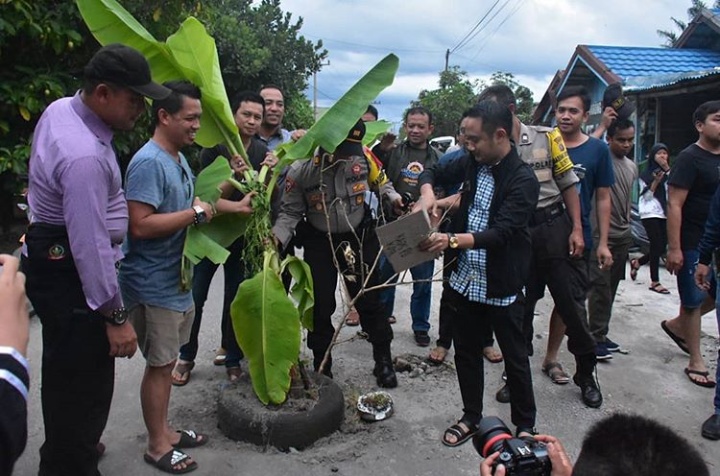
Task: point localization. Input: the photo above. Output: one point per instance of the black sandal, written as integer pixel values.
(168, 462)
(459, 433)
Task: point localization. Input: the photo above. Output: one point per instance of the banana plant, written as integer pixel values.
(266, 319)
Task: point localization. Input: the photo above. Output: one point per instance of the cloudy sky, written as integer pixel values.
(529, 38)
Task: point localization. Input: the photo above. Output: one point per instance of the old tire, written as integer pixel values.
(296, 423)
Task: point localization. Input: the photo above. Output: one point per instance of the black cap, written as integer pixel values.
(352, 145)
(123, 66)
(613, 97)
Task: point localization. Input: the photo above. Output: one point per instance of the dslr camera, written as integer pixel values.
(520, 456)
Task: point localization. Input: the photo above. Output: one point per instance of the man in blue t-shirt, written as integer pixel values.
(593, 167)
(161, 205)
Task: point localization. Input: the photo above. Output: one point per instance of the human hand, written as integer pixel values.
(238, 165)
(398, 206)
(387, 143)
(270, 160)
(609, 116)
(577, 243)
(122, 339)
(486, 467)
(435, 242)
(559, 459)
(297, 134)
(674, 261)
(244, 206)
(604, 257)
(701, 274)
(209, 209)
(14, 318)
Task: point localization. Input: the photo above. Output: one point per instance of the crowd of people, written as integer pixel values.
(515, 209)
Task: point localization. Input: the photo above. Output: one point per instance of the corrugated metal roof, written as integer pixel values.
(629, 62)
(645, 83)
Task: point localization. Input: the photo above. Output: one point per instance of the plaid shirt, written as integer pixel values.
(470, 277)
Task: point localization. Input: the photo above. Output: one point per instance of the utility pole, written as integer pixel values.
(447, 58)
(315, 89)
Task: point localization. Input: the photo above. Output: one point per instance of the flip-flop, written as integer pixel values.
(677, 339)
(181, 373)
(494, 356)
(459, 433)
(169, 460)
(556, 373)
(707, 383)
(634, 267)
(190, 439)
(392, 319)
(659, 288)
(437, 355)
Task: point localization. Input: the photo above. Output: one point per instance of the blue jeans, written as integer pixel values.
(202, 277)
(421, 295)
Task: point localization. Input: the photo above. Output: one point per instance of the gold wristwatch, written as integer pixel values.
(453, 240)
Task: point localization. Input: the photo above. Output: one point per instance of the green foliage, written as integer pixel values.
(298, 111)
(447, 103)
(267, 327)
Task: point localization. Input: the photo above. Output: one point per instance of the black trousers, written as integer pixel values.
(567, 280)
(656, 229)
(319, 256)
(473, 321)
(77, 371)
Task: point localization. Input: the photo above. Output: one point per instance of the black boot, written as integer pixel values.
(384, 371)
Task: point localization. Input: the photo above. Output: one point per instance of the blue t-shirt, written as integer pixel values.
(150, 272)
(594, 168)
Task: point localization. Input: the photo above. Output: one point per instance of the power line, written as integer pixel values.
(382, 48)
(487, 38)
(477, 24)
(497, 12)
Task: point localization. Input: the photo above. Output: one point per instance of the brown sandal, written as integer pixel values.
(181, 373)
(658, 288)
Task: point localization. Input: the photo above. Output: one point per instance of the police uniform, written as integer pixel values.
(327, 195)
(543, 149)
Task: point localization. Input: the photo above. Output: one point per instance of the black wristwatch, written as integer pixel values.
(200, 216)
(117, 317)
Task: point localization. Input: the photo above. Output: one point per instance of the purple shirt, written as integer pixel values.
(74, 180)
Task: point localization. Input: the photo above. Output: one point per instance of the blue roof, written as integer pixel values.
(628, 62)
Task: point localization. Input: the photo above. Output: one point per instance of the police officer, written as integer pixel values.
(327, 195)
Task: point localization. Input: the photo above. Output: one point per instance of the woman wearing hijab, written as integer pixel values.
(653, 213)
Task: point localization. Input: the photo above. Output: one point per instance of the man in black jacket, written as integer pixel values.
(488, 256)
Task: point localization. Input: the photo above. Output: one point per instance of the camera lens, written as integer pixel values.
(489, 436)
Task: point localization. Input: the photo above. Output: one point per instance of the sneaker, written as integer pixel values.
(601, 352)
(422, 338)
(612, 346)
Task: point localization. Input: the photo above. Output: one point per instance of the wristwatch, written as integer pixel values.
(453, 240)
(200, 216)
(117, 317)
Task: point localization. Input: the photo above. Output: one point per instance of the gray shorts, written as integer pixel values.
(161, 332)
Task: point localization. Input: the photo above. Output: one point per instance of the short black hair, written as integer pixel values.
(419, 110)
(572, 91)
(174, 102)
(500, 93)
(247, 96)
(271, 86)
(493, 115)
(622, 445)
(619, 125)
(372, 110)
(704, 110)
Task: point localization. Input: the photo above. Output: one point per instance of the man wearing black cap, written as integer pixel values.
(329, 192)
(80, 218)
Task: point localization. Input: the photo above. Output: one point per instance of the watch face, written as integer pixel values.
(119, 316)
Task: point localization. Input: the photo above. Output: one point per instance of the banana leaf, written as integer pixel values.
(188, 54)
(302, 289)
(332, 128)
(267, 327)
(374, 130)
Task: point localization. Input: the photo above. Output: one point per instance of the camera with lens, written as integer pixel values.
(520, 456)
(407, 200)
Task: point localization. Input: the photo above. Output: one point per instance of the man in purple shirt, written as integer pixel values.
(80, 218)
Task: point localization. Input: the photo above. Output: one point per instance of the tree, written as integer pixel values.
(447, 103)
(671, 36)
(523, 95)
